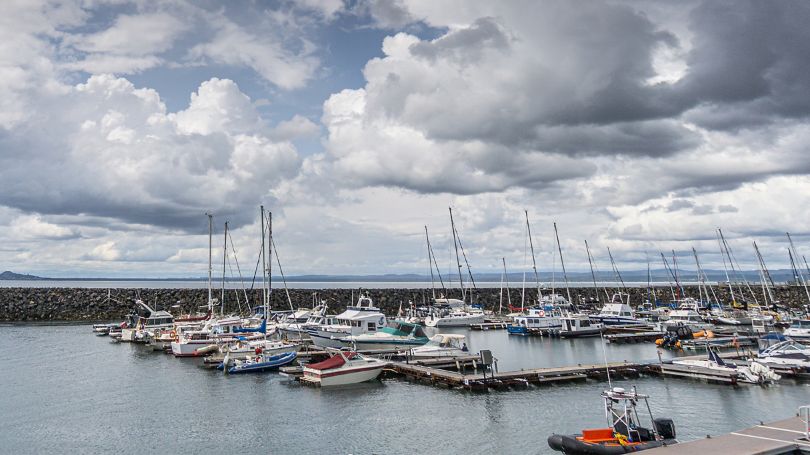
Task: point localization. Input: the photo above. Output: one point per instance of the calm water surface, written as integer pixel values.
(63, 389)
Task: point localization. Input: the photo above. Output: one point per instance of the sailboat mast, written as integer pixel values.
(666, 266)
(767, 281)
(616, 271)
(210, 259)
(590, 263)
(430, 265)
(508, 294)
(723, 256)
(270, 258)
(562, 264)
(701, 278)
(224, 258)
(796, 257)
(264, 262)
(534, 261)
(458, 260)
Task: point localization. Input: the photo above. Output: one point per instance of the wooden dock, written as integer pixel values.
(489, 326)
(787, 436)
(635, 337)
(518, 378)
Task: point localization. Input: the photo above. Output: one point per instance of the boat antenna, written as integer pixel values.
(534, 261)
(562, 264)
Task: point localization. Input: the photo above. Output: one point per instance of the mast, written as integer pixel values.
(264, 263)
(508, 294)
(666, 266)
(430, 265)
(681, 292)
(593, 275)
(800, 274)
(701, 279)
(616, 271)
(765, 275)
(210, 259)
(562, 264)
(458, 260)
(534, 262)
(728, 280)
(649, 280)
(270, 258)
(224, 258)
(435, 263)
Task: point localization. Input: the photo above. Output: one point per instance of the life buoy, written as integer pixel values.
(173, 334)
(541, 313)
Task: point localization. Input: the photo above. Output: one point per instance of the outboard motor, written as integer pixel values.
(665, 428)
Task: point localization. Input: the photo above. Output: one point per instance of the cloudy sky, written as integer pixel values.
(641, 126)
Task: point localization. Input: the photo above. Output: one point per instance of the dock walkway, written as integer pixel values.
(783, 437)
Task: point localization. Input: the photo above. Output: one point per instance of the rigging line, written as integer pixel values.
(745, 280)
(616, 270)
(438, 270)
(534, 261)
(239, 270)
(281, 271)
(236, 291)
(464, 255)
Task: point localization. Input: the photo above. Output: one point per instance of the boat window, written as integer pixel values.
(584, 323)
(418, 332)
(372, 327)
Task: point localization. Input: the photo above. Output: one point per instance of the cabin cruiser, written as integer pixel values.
(788, 353)
(537, 320)
(300, 330)
(617, 314)
(343, 368)
(455, 318)
(397, 334)
(624, 433)
(193, 341)
(442, 345)
(361, 318)
(686, 315)
(799, 329)
(145, 326)
(578, 326)
(753, 373)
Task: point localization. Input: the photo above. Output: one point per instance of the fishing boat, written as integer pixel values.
(624, 432)
(398, 334)
(361, 318)
(753, 373)
(579, 326)
(799, 329)
(343, 368)
(261, 362)
(145, 326)
(442, 345)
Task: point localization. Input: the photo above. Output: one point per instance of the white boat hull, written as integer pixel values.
(461, 321)
(337, 377)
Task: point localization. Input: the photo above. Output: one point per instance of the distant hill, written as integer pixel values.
(18, 276)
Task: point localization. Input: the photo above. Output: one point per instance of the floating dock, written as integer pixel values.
(787, 436)
(489, 326)
(637, 337)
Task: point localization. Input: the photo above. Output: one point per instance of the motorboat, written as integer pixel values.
(799, 329)
(624, 432)
(788, 353)
(686, 315)
(343, 368)
(457, 317)
(261, 362)
(361, 318)
(145, 326)
(192, 342)
(301, 330)
(537, 320)
(398, 334)
(579, 326)
(753, 373)
(442, 345)
(617, 314)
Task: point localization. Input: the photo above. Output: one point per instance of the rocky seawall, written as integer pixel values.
(83, 304)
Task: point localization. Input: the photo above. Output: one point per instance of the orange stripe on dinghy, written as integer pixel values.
(597, 435)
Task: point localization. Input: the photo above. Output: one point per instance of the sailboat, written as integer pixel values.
(461, 315)
(269, 355)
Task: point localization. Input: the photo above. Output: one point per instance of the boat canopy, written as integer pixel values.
(336, 361)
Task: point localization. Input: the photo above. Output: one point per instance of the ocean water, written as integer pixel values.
(63, 389)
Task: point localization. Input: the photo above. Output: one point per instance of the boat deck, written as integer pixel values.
(781, 437)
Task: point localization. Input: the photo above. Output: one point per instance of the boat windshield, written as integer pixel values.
(801, 324)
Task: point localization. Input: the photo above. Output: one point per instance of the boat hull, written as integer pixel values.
(330, 378)
(271, 363)
(464, 321)
(569, 444)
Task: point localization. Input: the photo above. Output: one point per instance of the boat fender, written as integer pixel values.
(621, 439)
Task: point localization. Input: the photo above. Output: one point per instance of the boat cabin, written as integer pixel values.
(622, 310)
